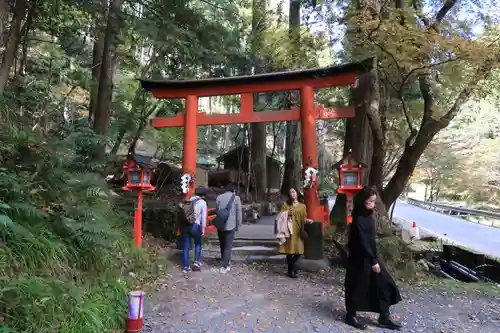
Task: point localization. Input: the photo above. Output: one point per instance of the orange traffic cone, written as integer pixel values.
(414, 232)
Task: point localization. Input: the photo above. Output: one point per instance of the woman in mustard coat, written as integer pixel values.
(294, 245)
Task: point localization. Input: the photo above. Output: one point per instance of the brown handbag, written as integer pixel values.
(303, 233)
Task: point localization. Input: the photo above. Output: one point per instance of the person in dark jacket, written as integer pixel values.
(368, 285)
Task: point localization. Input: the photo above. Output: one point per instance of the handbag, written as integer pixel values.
(303, 233)
(222, 215)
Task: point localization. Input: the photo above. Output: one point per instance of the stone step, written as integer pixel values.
(271, 259)
(247, 254)
(248, 250)
(240, 242)
(211, 256)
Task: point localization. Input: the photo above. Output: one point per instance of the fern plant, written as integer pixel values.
(64, 247)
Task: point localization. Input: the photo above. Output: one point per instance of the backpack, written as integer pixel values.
(221, 215)
(186, 211)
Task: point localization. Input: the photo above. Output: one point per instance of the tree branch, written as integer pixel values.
(416, 70)
(417, 6)
(371, 39)
(447, 6)
(404, 107)
(428, 97)
(482, 73)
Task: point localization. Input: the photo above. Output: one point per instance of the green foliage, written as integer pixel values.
(49, 305)
(64, 247)
(396, 255)
(161, 221)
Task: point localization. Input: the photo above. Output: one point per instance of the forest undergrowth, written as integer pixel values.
(66, 257)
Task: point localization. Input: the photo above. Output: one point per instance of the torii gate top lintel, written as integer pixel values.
(339, 75)
(245, 86)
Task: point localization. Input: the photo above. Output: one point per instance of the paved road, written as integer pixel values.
(472, 235)
(468, 234)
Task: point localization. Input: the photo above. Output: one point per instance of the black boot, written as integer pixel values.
(385, 321)
(294, 272)
(289, 261)
(353, 321)
(294, 269)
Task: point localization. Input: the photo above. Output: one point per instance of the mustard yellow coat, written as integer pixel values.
(294, 244)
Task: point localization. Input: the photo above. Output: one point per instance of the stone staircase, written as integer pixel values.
(253, 243)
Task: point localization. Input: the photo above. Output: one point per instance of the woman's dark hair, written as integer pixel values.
(300, 197)
(359, 200)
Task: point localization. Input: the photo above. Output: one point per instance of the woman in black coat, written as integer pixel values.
(368, 285)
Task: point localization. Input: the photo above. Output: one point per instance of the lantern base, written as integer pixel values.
(313, 245)
(139, 187)
(134, 325)
(349, 190)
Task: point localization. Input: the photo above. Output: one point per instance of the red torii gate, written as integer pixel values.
(245, 86)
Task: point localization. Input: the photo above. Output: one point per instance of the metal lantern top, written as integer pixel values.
(349, 173)
(138, 174)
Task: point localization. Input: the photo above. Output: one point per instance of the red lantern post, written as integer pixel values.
(349, 180)
(138, 180)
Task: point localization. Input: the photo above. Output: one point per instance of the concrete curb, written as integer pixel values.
(424, 232)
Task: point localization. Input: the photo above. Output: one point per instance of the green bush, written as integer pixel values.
(158, 218)
(65, 248)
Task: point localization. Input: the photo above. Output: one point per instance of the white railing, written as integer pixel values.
(466, 213)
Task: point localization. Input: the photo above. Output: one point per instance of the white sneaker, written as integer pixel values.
(224, 270)
(197, 266)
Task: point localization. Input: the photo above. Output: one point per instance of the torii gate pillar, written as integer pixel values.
(190, 140)
(309, 150)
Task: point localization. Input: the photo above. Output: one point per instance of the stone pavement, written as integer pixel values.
(259, 298)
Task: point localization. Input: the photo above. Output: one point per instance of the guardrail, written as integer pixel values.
(455, 211)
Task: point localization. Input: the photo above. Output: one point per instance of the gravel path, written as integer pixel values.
(259, 298)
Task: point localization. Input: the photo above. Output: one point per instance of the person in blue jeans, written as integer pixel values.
(195, 231)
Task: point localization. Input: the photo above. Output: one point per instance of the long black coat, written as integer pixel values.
(366, 290)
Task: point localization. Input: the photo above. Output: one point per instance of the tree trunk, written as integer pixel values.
(361, 140)
(128, 123)
(97, 51)
(407, 163)
(105, 91)
(12, 44)
(96, 71)
(292, 174)
(275, 129)
(142, 125)
(21, 70)
(358, 134)
(4, 20)
(258, 150)
(258, 160)
(139, 94)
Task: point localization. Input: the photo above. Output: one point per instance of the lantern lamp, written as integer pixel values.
(138, 170)
(349, 179)
(135, 319)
